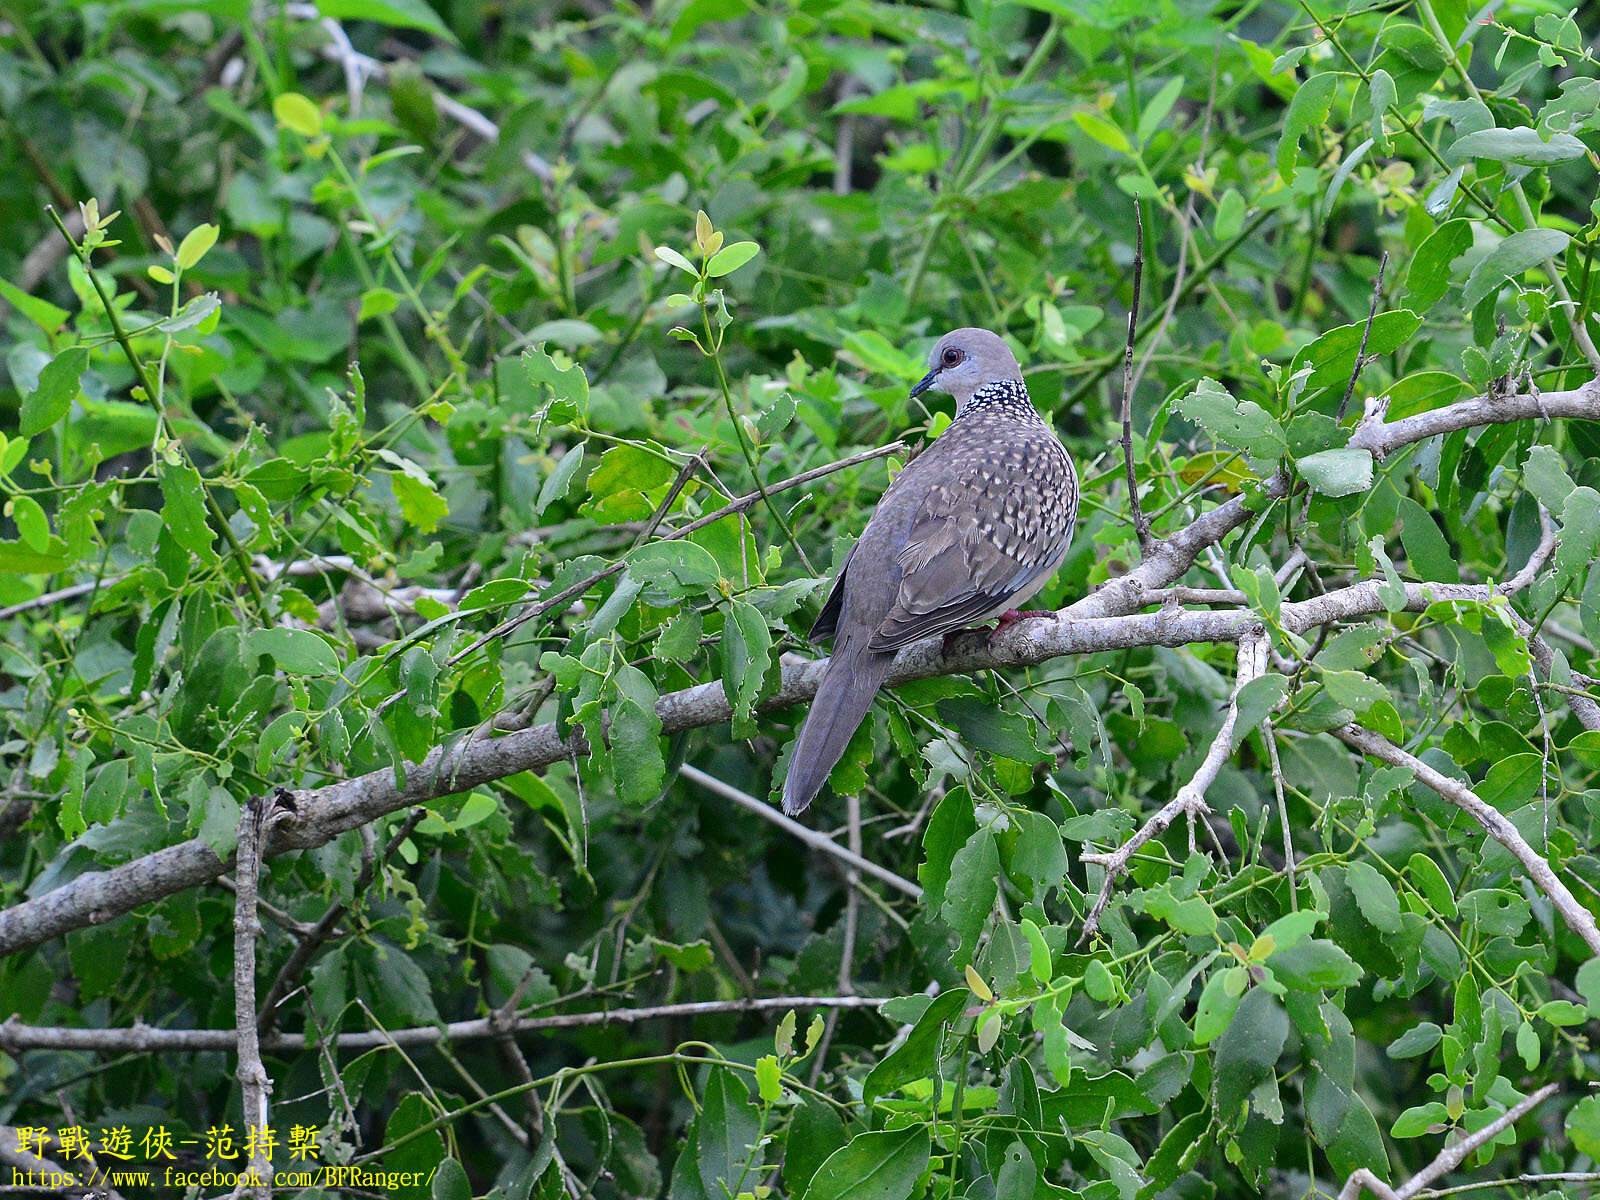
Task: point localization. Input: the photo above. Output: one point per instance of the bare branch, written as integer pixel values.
(1141, 523)
(817, 841)
(1366, 332)
(1384, 437)
(254, 1085)
(1579, 919)
(16, 1037)
(1449, 1158)
(1536, 561)
(1191, 797)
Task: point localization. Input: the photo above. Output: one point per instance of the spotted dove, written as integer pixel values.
(968, 531)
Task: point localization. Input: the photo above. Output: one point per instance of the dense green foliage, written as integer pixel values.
(444, 368)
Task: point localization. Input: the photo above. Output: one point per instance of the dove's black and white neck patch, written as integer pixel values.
(1007, 396)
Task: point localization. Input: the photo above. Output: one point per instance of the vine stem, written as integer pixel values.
(715, 354)
(142, 372)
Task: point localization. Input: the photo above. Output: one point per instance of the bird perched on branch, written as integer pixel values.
(968, 531)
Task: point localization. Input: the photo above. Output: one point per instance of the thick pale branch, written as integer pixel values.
(1383, 437)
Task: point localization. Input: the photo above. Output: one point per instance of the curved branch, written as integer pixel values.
(1495, 824)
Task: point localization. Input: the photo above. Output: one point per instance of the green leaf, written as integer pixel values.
(1103, 131)
(1315, 963)
(1308, 109)
(917, 1056)
(1241, 423)
(728, 1129)
(32, 524)
(1218, 1001)
(1511, 782)
(1036, 854)
(672, 258)
(746, 659)
(730, 258)
(560, 478)
(294, 111)
(1419, 1039)
(769, 1079)
(1374, 897)
(420, 502)
(1429, 274)
(1381, 94)
(1522, 146)
(815, 1132)
(1248, 1050)
(1039, 964)
(1340, 472)
(296, 651)
(673, 571)
(1256, 700)
(450, 1182)
(884, 1165)
(1514, 255)
(1426, 548)
(58, 388)
(1428, 879)
(1545, 475)
(628, 468)
(1583, 1126)
(184, 510)
(568, 386)
(422, 1154)
(199, 313)
(1333, 354)
(1344, 1126)
(402, 14)
(639, 768)
(195, 244)
(1588, 983)
(40, 311)
(971, 892)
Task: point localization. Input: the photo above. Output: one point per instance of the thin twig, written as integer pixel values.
(288, 976)
(817, 841)
(1270, 736)
(145, 1039)
(1141, 523)
(1578, 918)
(1450, 1157)
(742, 504)
(1366, 332)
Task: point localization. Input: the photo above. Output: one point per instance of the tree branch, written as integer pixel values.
(1449, 1158)
(1579, 919)
(254, 1085)
(1105, 620)
(16, 1037)
(1191, 797)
